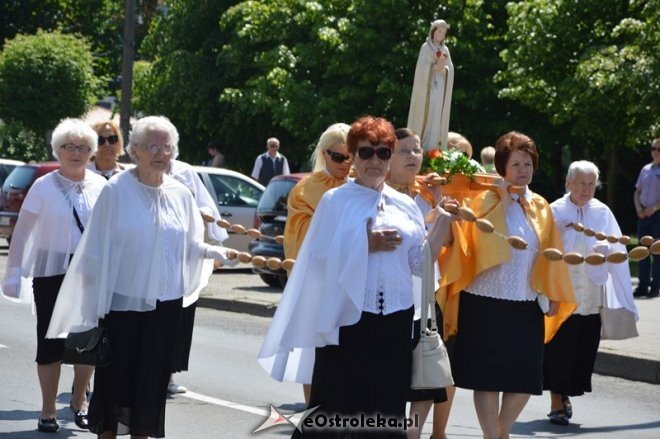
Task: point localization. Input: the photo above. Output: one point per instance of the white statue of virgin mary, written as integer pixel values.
(431, 94)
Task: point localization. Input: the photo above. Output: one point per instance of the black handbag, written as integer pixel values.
(91, 347)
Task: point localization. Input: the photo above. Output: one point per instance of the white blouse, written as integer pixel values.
(46, 233)
(142, 244)
(511, 280)
(588, 295)
(388, 290)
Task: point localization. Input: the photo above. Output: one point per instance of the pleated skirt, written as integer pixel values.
(184, 343)
(45, 291)
(129, 394)
(368, 373)
(499, 345)
(571, 354)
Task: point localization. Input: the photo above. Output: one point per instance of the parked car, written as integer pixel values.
(6, 166)
(13, 192)
(270, 219)
(237, 197)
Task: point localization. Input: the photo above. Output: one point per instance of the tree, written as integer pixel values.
(44, 78)
(598, 74)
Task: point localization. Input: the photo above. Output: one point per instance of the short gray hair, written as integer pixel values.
(69, 128)
(152, 123)
(583, 167)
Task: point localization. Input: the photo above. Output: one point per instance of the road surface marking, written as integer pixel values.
(225, 403)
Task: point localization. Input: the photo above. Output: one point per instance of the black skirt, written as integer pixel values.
(570, 356)
(129, 394)
(368, 374)
(499, 345)
(184, 341)
(45, 291)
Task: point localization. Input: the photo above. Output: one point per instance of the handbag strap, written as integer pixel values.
(428, 289)
(78, 222)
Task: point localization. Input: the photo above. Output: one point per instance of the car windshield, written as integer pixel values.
(275, 197)
(20, 178)
(232, 191)
(5, 170)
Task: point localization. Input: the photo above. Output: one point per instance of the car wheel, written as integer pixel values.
(271, 280)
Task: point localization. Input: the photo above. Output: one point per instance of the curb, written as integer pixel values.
(244, 306)
(629, 368)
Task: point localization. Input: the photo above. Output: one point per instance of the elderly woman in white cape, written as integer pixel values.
(430, 102)
(141, 253)
(48, 230)
(606, 308)
(349, 296)
(185, 174)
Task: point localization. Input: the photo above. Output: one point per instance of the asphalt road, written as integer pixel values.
(229, 393)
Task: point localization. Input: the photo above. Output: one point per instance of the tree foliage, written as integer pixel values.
(597, 74)
(44, 78)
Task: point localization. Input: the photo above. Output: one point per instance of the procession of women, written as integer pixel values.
(522, 289)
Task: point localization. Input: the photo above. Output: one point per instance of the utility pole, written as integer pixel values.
(127, 67)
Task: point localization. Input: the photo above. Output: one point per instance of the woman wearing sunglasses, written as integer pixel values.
(350, 292)
(110, 148)
(49, 227)
(331, 166)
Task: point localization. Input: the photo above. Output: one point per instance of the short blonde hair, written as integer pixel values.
(334, 135)
(99, 127)
(460, 143)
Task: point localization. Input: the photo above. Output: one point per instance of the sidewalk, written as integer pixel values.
(635, 359)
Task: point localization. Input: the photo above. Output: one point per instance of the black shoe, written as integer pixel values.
(653, 293)
(48, 425)
(641, 292)
(80, 418)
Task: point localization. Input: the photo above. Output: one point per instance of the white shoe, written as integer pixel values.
(176, 388)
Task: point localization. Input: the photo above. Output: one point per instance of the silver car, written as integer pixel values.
(237, 196)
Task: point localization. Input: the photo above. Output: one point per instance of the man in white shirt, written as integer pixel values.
(270, 163)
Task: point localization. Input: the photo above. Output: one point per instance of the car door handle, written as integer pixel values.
(226, 214)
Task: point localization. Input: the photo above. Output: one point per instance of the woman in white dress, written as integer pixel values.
(141, 254)
(430, 101)
(50, 224)
(570, 356)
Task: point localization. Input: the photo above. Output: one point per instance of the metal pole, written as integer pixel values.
(127, 67)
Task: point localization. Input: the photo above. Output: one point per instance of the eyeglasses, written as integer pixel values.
(366, 152)
(71, 147)
(655, 148)
(406, 152)
(111, 140)
(337, 157)
(155, 149)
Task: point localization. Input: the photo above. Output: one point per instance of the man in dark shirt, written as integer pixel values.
(270, 163)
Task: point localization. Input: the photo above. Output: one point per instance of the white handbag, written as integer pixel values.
(430, 362)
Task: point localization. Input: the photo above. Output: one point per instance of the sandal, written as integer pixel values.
(568, 407)
(558, 417)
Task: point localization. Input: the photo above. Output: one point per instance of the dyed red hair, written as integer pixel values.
(377, 130)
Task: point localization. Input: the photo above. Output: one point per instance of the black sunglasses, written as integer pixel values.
(655, 148)
(111, 140)
(366, 152)
(337, 157)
